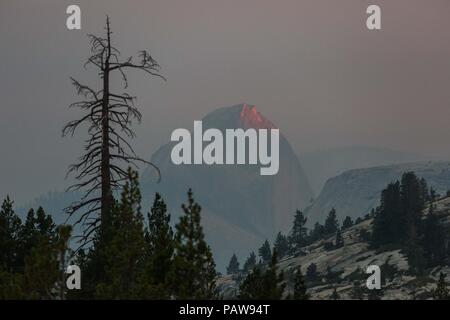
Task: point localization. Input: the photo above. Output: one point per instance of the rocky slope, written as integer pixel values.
(341, 267)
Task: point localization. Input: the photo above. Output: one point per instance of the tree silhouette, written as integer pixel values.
(108, 117)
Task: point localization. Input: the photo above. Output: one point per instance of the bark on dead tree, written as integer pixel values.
(108, 116)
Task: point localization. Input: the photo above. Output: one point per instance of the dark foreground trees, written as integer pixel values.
(33, 255)
(264, 282)
(193, 273)
(134, 261)
(400, 222)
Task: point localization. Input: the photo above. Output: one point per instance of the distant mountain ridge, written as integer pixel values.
(324, 164)
(355, 192)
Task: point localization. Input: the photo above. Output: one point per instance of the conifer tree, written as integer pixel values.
(388, 217)
(299, 286)
(124, 249)
(339, 242)
(317, 232)
(434, 239)
(193, 270)
(441, 292)
(233, 266)
(331, 223)
(265, 252)
(160, 244)
(298, 237)
(252, 288)
(62, 250)
(274, 279)
(281, 244)
(347, 223)
(10, 229)
(263, 284)
(250, 263)
(311, 273)
(41, 271)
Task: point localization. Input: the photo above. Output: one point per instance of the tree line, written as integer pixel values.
(136, 258)
(399, 222)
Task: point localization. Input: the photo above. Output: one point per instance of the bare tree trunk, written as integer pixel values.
(109, 117)
(106, 196)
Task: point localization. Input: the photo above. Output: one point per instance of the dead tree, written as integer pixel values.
(108, 117)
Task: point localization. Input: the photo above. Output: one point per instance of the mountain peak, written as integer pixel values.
(251, 118)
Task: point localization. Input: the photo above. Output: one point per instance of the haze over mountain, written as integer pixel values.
(355, 192)
(241, 208)
(324, 164)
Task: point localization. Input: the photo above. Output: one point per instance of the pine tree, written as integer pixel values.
(160, 244)
(331, 222)
(299, 286)
(281, 245)
(250, 263)
(42, 268)
(62, 251)
(123, 248)
(412, 192)
(441, 292)
(252, 288)
(274, 285)
(265, 252)
(298, 237)
(398, 219)
(266, 285)
(10, 229)
(347, 223)
(311, 273)
(41, 271)
(387, 221)
(317, 233)
(415, 252)
(233, 266)
(339, 242)
(45, 225)
(193, 272)
(434, 239)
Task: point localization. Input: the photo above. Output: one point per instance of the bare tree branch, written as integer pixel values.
(108, 117)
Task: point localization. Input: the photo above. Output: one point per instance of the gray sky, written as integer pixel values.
(310, 66)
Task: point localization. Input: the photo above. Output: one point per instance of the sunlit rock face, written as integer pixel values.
(251, 118)
(241, 208)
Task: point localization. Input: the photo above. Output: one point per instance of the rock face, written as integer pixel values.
(324, 164)
(347, 266)
(241, 208)
(355, 192)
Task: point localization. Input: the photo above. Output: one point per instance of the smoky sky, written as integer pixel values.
(311, 67)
